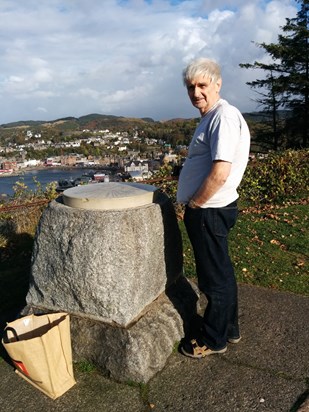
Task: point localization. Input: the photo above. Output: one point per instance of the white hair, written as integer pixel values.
(201, 67)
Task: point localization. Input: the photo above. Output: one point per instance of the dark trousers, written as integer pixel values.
(208, 231)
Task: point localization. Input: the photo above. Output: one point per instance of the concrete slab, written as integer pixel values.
(275, 330)
(218, 384)
(92, 393)
(268, 371)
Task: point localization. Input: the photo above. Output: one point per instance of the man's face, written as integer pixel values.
(203, 93)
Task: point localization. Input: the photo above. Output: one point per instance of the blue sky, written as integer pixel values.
(125, 57)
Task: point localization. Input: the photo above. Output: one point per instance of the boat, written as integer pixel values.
(84, 179)
(89, 178)
(64, 184)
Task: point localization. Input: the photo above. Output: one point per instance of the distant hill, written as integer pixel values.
(95, 121)
(90, 121)
(22, 123)
(262, 116)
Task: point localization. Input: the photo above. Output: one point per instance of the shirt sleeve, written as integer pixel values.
(224, 137)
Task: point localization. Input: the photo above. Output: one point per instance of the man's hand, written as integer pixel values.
(193, 205)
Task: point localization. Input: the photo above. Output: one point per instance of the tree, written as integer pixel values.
(269, 96)
(287, 80)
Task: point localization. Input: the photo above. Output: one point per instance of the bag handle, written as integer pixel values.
(9, 328)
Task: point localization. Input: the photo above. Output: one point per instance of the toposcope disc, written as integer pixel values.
(109, 195)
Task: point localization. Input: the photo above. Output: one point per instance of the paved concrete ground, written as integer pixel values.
(267, 371)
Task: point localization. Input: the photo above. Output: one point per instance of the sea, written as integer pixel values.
(43, 176)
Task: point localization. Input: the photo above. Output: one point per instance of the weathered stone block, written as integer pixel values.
(139, 351)
(108, 265)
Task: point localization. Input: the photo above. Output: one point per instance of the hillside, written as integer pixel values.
(98, 121)
(91, 121)
(177, 131)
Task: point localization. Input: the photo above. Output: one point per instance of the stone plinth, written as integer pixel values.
(106, 264)
(118, 272)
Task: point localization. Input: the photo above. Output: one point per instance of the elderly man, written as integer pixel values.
(217, 158)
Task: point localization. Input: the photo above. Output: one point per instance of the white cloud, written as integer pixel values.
(73, 57)
(41, 109)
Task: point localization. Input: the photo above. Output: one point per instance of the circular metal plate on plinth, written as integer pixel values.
(109, 196)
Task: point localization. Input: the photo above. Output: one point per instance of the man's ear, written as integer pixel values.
(218, 85)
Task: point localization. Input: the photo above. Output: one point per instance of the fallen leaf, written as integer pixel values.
(275, 242)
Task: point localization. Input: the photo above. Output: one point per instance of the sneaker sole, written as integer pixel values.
(234, 340)
(208, 352)
(190, 355)
(215, 352)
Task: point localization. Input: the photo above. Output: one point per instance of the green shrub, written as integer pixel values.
(22, 193)
(165, 183)
(278, 177)
(22, 212)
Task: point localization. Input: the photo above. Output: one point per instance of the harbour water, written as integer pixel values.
(43, 176)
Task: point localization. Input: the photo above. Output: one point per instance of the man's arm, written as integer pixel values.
(214, 181)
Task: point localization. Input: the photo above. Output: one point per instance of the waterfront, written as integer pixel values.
(43, 176)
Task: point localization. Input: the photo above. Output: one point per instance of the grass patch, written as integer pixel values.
(269, 248)
(85, 366)
(143, 389)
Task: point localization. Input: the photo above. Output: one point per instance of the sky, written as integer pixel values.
(64, 58)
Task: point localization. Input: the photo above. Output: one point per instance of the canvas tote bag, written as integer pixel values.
(40, 348)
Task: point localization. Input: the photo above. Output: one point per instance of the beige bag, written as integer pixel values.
(40, 347)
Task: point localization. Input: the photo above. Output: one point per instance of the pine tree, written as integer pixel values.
(270, 96)
(287, 79)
